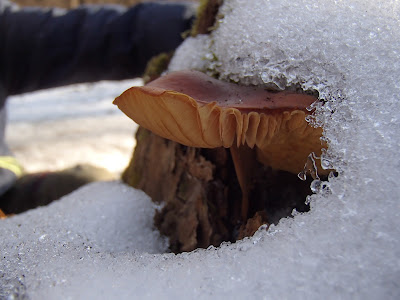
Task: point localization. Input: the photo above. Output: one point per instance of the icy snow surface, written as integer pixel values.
(346, 247)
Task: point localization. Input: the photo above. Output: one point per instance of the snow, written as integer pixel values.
(99, 242)
(58, 128)
(75, 101)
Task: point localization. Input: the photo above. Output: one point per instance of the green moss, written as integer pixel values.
(133, 173)
(141, 134)
(156, 66)
(207, 14)
(134, 177)
(199, 17)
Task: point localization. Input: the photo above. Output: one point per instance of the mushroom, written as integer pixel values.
(196, 110)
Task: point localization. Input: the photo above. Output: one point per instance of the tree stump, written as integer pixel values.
(200, 194)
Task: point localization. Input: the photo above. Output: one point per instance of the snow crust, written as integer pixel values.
(346, 247)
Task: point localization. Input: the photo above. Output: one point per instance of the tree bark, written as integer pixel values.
(201, 196)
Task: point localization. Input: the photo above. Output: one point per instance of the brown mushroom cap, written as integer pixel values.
(196, 110)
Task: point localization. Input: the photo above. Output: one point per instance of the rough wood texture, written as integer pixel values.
(179, 177)
(201, 195)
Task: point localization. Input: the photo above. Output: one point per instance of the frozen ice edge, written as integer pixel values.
(347, 246)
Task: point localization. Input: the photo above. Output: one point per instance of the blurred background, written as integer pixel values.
(74, 3)
(54, 129)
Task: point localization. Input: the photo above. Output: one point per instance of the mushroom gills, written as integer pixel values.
(196, 110)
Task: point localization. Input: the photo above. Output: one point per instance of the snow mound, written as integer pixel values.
(48, 245)
(347, 246)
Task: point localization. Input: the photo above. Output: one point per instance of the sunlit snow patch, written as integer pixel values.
(58, 128)
(79, 100)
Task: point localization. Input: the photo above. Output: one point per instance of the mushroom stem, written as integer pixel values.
(244, 160)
